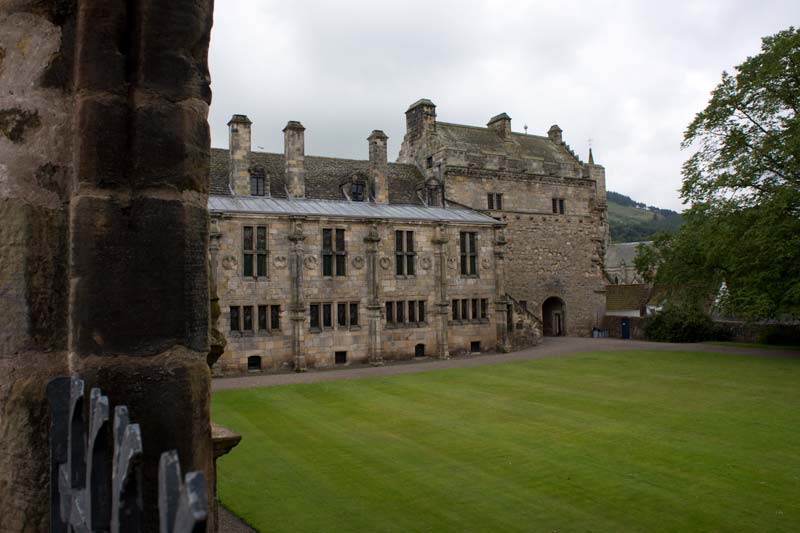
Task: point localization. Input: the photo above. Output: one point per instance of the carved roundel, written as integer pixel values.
(425, 263)
(452, 263)
(486, 263)
(385, 263)
(280, 261)
(358, 262)
(229, 262)
(310, 262)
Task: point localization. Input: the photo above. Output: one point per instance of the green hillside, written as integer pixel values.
(632, 221)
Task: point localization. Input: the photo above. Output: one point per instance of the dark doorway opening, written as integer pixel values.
(340, 358)
(554, 324)
(419, 350)
(475, 347)
(254, 363)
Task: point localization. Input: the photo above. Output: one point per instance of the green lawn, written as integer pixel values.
(754, 345)
(607, 441)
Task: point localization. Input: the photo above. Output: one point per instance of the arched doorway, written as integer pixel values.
(553, 321)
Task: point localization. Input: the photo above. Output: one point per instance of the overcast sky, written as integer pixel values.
(629, 75)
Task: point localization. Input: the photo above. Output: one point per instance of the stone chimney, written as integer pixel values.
(555, 134)
(239, 154)
(294, 155)
(420, 118)
(501, 124)
(378, 167)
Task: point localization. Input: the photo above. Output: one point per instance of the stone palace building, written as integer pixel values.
(477, 239)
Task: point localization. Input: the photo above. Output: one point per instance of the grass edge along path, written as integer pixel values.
(607, 441)
(755, 345)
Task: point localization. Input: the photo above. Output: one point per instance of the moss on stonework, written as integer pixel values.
(14, 122)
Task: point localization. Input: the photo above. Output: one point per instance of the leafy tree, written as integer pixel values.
(739, 247)
(748, 138)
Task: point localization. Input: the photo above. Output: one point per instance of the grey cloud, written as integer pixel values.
(628, 74)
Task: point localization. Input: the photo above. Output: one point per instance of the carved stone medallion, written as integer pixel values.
(358, 262)
(452, 263)
(385, 263)
(229, 262)
(280, 261)
(310, 262)
(425, 263)
(486, 263)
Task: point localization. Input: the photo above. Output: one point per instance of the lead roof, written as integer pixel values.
(344, 209)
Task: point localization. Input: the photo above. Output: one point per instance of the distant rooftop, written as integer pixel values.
(324, 176)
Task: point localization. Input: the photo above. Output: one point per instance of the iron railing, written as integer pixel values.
(96, 480)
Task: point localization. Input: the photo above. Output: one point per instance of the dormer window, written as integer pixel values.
(357, 192)
(257, 181)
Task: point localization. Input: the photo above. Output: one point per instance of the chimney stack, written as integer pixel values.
(239, 154)
(501, 124)
(420, 119)
(294, 154)
(378, 167)
(555, 134)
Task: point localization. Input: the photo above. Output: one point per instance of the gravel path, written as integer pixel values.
(551, 346)
(230, 523)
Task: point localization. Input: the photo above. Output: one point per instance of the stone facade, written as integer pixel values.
(552, 203)
(536, 213)
(276, 256)
(369, 251)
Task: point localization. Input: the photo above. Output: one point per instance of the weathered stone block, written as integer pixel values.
(174, 63)
(126, 256)
(170, 145)
(102, 145)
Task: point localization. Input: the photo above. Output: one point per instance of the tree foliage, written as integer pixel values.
(739, 248)
(684, 323)
(747, 139)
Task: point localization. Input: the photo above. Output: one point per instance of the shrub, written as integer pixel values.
(682, 324)
(781, 335)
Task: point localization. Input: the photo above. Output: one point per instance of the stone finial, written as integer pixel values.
(501, 124)
(239, 154)
(555, 134)
(294, 156)
(379, 166)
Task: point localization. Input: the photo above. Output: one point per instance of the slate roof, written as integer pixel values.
(624, 251)
(488, 141)
(626, 297)
(345, 209)
(324, 175)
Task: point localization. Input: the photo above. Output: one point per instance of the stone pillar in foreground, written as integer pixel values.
(105, 150)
